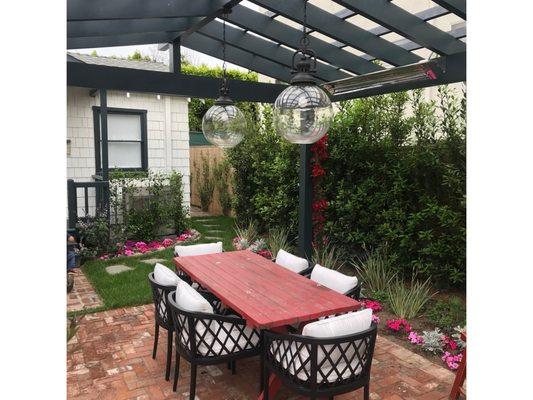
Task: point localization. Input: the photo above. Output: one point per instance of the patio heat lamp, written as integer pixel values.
(224, 125)
(303, 112)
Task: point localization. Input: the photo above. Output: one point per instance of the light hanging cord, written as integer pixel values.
(224, 77)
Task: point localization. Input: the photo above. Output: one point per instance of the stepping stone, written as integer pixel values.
(211, 226)
(212, 238)
(152, 260)
(215, 231)
(117, 269)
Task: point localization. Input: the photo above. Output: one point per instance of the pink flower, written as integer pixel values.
(397, 324)
(129, 252)
(104, 257)
(375, 319)
(375, 306)
(414, 338)
(167, 242)
(451, 360)
(448, 341)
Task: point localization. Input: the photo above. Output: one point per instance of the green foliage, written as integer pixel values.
(221, 173)
(278, 239)
(204, 182)
(96, 235)
(73, 324)
(447, 314)
(328, 256)
(375, 272)
(392, 177)
(198, 107)
(266, 178)
(145, 207)
(400, 180)
(137, 56)
(407, 301)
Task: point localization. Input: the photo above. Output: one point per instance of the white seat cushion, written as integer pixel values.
(190, 300)
(165, 276)
(198, 249)
(290, 261)
(346, 324)
(333, 280)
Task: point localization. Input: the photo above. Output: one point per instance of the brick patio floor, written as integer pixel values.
(83, 294)
(111, 359)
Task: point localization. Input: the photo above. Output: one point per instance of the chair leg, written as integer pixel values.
(229, 364)
(367, 392)
(193, 382)
(156, 338)
(261, 373)
(169, 355)
(176, 371)
(266, 377)
(233, 370)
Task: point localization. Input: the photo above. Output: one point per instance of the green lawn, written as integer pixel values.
(131, 287)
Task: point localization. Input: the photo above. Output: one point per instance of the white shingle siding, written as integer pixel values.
(167, 132)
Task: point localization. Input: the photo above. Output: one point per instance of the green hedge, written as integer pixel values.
(393, 178)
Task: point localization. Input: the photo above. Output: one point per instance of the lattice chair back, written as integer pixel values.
(321, 363)
(160, 293)
(215, 336)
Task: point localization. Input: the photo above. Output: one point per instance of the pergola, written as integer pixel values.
(261, 38)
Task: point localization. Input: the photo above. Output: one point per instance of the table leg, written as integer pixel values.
(274, 385)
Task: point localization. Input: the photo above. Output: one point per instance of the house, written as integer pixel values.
(146, 131)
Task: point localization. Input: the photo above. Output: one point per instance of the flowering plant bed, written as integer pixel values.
(259, 246)
(132, 248)
(417, 335)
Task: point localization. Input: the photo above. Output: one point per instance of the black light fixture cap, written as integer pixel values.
(224, 99)
(303, 71)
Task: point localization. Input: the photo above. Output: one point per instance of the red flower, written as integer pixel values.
(318, 171)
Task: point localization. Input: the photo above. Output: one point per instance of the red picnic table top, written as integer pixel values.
(264, 293)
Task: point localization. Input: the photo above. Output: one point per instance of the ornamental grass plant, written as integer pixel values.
(407, 301)
(375, 271)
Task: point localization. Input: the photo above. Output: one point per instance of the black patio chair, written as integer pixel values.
(216, 339)
(354, 293)
(319, 367)
(163, 318)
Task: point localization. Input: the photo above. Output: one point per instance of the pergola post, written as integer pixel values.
(174, 56)
(103, 134)
(305, 211)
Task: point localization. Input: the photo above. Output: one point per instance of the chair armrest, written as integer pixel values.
(306, 272)
(355, 293)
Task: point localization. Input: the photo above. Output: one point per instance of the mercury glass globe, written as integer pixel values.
(224, 125)
(303, 113)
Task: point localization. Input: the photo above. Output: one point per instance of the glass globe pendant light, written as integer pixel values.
(224, 125)
(303, 112)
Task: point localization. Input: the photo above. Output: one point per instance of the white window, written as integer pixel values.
(126, 139)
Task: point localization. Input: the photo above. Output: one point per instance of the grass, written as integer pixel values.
(131, 288)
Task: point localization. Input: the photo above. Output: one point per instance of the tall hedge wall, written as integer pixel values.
(394, 175)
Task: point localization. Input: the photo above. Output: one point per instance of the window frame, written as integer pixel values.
(97, 141)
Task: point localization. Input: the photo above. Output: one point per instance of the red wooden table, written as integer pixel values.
(266, 295)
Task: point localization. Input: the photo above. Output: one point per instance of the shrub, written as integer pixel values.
(433, 341)
(266, 178)
(278, 239)
(95, 235)
(407, 302)
(447, 314)
(204, 182)
(375, 272)
(390, 177)
(143, 207)
(221, 173)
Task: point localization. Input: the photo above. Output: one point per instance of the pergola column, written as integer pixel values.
(103, 134)
(305, 211)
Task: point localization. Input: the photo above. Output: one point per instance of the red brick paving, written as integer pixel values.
(83, 295)
(111, 358)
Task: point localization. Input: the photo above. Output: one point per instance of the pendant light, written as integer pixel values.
(303, 112)
(224, 125)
